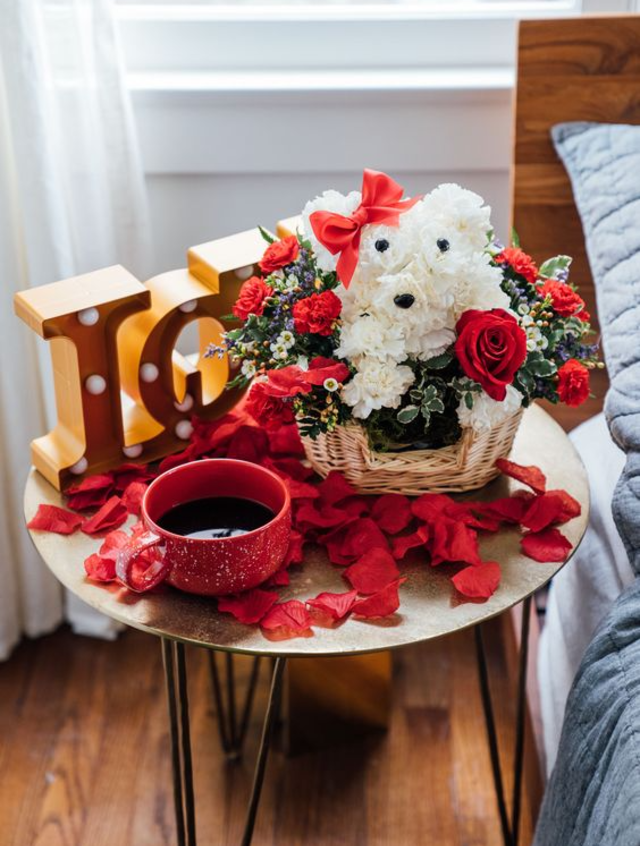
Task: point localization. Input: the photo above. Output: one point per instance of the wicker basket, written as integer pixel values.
(464, 466)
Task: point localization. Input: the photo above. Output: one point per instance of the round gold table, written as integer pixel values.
(429, 609)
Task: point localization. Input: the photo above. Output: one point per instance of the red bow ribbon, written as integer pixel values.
(381, 203)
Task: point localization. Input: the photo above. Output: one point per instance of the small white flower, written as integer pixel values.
(286, 338)
(248, 368)
(279, 351)
(523, 308)
(487, 412)
(330, 384)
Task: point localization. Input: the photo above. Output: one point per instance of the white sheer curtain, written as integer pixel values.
(72, 200)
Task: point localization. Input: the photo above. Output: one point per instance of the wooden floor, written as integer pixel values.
(84, 757)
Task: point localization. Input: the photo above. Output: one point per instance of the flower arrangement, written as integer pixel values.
(407, 317)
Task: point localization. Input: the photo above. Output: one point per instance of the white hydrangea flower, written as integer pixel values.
(377, 384)
(487, 412)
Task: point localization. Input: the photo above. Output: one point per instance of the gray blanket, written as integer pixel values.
(593, 796)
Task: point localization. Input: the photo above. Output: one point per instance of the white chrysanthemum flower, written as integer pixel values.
(331, 201)
(459, 210)
(377, 384)
(424, 346)
(248, 368)
(371, 336)
(487, 412)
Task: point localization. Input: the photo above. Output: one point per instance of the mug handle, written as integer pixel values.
(155, 573)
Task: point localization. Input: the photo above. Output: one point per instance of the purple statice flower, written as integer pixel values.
(213, 350)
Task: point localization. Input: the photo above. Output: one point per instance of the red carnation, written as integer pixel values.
(251, 298)
(566, 302)
(573, 383)
(490, 348)
(317, 313)
(269, 411)
(279, 254)
(521, 263)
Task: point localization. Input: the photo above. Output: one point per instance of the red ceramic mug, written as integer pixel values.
(209, 566)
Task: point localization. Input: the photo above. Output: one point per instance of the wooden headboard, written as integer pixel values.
(584, 68)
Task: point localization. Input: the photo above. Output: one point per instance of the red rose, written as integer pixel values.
(317, 313)
(270, 412)
(565, 300)
(523, 264)
(573, 383)
(279, 254)
(251, 298)
(490, 348)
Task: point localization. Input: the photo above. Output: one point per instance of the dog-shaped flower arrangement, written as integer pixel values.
(404, 320)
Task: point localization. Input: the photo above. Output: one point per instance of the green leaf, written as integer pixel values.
(267, 237)
(468, 401)
(542, 368)
(408, 414)
(553, 265)
(439, 362)
(515, 240)
(526, 380)
(427, 416)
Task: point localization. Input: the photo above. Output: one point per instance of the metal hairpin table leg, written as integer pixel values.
(175, 673)
(263, 752)
(232, 733)
(510, 831)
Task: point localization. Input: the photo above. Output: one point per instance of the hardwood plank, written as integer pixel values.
(85, 754)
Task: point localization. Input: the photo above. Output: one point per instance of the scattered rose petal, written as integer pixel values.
(249, 443)
(336, 605)
(132, 497)
(531, 475)
(91, 492)
(335, 487)
(294, 553)
(346, 543)
(113, 543)
(547, 546)
(549, 508)
(100, 569)
(510, 509)
(570, 507)
(291, 616)
(285, 441)
(380, 604)
(479, 581)
(452, 540)
(124, 475)
(392, 512)
(373, 571)
(401, 545)
(430, 507)
(280, 578)
(112, 514)
(301, 490)
(52, 518)
(248, 607)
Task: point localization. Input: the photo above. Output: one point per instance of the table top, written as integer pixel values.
(430, 606)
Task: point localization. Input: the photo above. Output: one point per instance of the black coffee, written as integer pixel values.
(216, 517)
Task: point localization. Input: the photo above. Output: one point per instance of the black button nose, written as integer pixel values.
(382, 245)
(404, 300)
(443, 245)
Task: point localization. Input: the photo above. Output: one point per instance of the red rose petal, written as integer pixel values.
(291, 616)
(249, 443)
(132, 497)
(124, 475)
(372, 571)
(337, 605)
(86, 500)
(52, 518)
(549, 508)
(112, 514)
(380, 604)
(301, 490)
(392, 512)
(97, 482)
(510, 509)
(547, 546)
(478, 582)
(529, 475)
(177, 459)
(248, 607)
(400, 546)
(570, 507)
(113, 543)
(288, 468)
(430, 507)
(346, 543)
(285, 441)
(335, 488)
(100, 569)
(452, 540)
(280, 578)
(294, 552)
(308, 517)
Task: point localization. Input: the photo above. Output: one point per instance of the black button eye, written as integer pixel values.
(404, 300)
(443, 245)
(382, 245)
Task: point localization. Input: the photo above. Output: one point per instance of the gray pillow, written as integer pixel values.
(603, 163)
